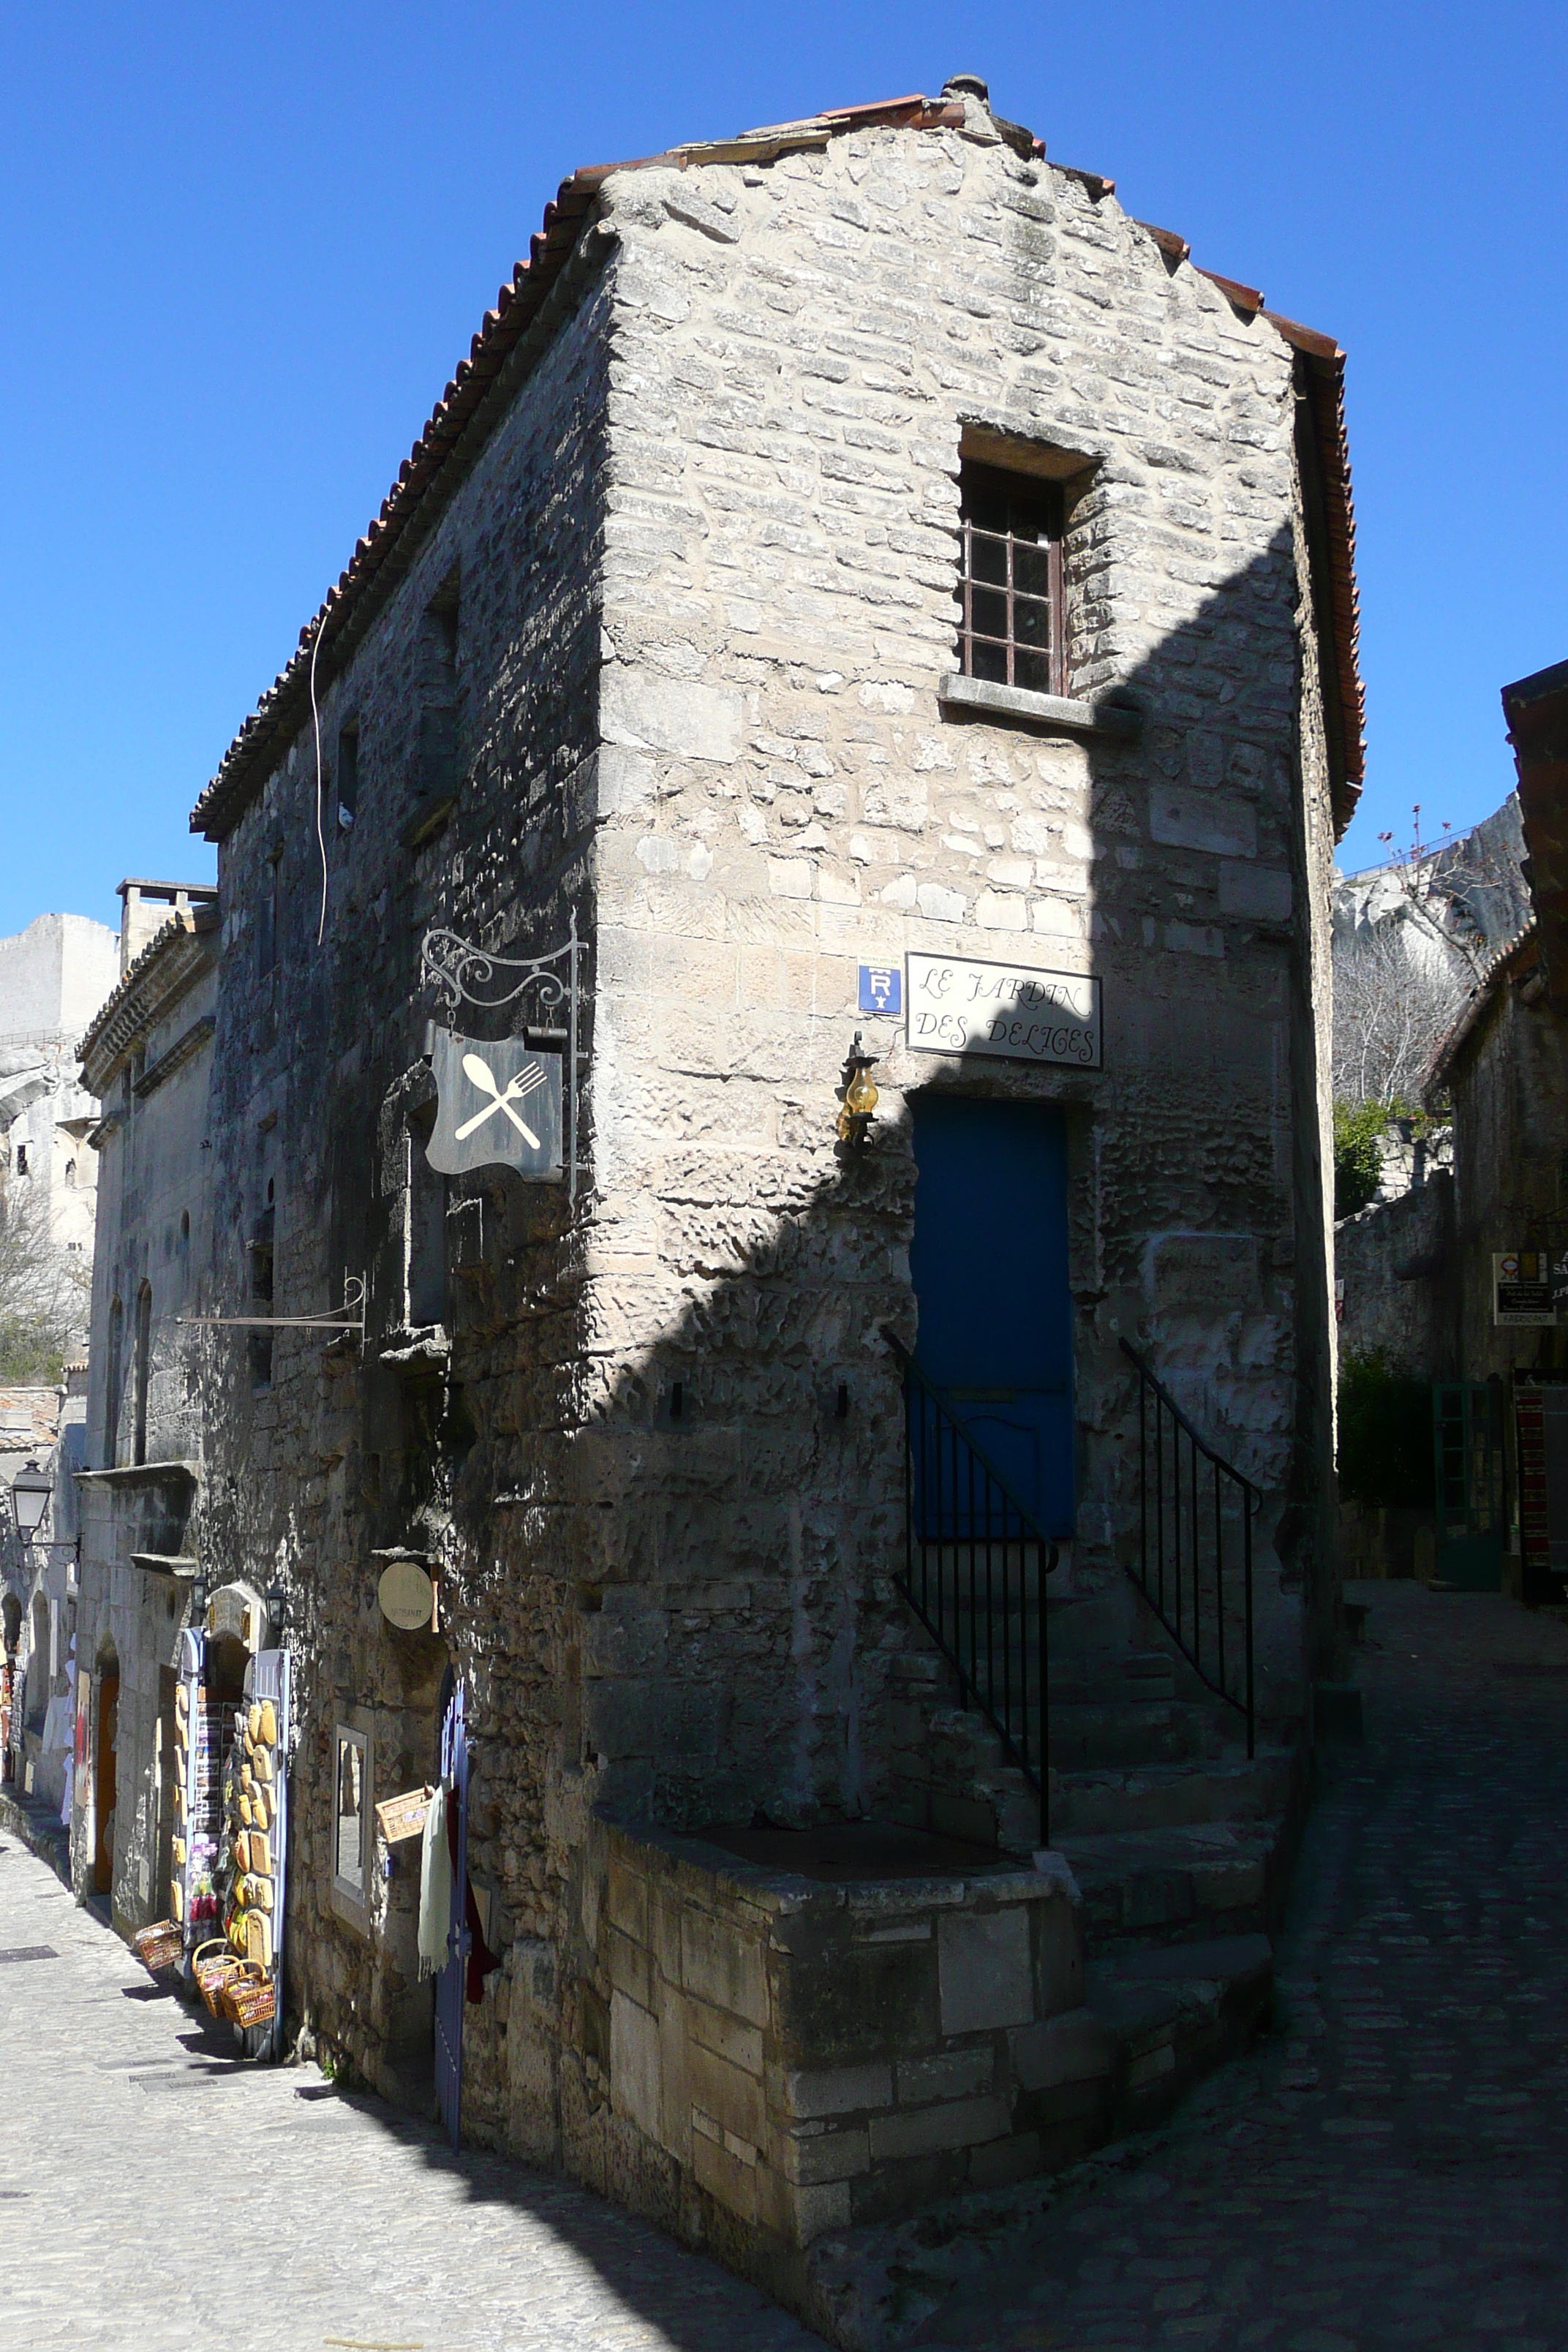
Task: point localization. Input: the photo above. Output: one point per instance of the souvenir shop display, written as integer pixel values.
(250, 1871)
(226, 1893)
(159, 1947)
(198, 1811)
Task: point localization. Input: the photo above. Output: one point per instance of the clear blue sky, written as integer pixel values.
(244, 249)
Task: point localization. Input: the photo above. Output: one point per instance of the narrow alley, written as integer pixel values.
(160, 2192)
(1389, 2170)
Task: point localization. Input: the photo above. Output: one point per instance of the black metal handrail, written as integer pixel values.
(1185, 1531)
(976, 1562)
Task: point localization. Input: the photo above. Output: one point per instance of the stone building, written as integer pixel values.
(1503, 1407)
(681, 633)
(52, 977)
(146, 1058)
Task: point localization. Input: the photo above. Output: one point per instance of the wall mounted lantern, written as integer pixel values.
(31, 1493)
(859, 1094)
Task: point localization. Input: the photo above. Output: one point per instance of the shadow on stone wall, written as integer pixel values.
(669, 1564)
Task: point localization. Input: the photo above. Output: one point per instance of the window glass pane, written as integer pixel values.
(351, 1830)
(1027, 520)
(988, 661)
(988, 559)
(1032, 569)
(1031, 621)
(985, 503)
(1033, 670)
(988, 612)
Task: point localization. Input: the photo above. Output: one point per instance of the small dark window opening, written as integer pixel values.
(1012, 632)
(260, 1342)
(21, 1159)
(143, 1368)
(112, 1389)
(268, 917)
(348, 775)
(426, 1229)
(439, 696)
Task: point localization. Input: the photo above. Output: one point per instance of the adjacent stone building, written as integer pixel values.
(146, 1058)
(853, 553)
(1503, 1445)
(53, 975)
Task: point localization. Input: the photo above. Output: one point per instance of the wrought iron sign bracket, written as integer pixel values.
(350, 1317)
(458, 974)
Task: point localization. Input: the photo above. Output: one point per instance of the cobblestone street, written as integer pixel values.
(1389, 2170)
(156, 2196)
(1392, 2167)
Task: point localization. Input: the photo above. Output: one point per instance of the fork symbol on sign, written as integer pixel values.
(478, 1071)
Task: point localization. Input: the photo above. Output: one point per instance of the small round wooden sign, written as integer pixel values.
(406, 1595)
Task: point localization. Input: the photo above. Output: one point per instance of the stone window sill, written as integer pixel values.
(977, 697)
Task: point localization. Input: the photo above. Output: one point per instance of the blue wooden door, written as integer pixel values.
(989, 1262)
(452, 1985)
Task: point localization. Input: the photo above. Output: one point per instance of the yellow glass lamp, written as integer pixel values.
(860, 1096)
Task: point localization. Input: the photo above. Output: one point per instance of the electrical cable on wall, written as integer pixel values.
(316, 723)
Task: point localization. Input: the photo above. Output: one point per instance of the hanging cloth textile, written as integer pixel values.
(434, 1887)
(481, 1959)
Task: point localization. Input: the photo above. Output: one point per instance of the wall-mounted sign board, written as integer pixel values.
(1521, 1290)
(406, 1595)
(404, 1817)
(1003, 1011)
(882, 989)
(499, 1107)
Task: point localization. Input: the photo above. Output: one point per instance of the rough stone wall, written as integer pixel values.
(1509, 1088)
(799, 351)
(473, 679)
(776, 2059)
(1395, 1262)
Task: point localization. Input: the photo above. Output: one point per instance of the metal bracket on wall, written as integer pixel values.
(458, 974)
(350, 1317)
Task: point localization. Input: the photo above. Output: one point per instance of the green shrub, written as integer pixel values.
(1385, 1434)
(1358, 1162)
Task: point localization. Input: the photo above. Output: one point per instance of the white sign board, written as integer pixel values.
(1521, 1290)
(1004, 1009)
(407, 1594)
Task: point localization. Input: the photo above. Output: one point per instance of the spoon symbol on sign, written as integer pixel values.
(478, 1071)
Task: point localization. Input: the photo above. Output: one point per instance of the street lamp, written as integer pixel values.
(30, 1492)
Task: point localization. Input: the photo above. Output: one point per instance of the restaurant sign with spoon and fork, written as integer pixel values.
(506, 1102)
(500, 1104)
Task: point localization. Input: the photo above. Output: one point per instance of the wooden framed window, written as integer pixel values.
(1012, 632)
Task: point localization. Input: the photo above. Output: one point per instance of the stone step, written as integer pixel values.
(1176, 1884)
(1096, 1681)
(1171, 2015)
(1158, 1796)
(1130, 1733)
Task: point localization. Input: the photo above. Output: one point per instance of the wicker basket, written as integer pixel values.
(213, 1966)
(248, 1998)
(159, 1947)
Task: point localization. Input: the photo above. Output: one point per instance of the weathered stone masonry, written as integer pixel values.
(666, 649)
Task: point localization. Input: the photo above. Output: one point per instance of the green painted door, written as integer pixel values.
(1466, 1439)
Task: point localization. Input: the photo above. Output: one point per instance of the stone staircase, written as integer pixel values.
(1179, 1844)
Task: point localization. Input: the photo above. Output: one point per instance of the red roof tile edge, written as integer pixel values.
(243, 768)
(1324, 370)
